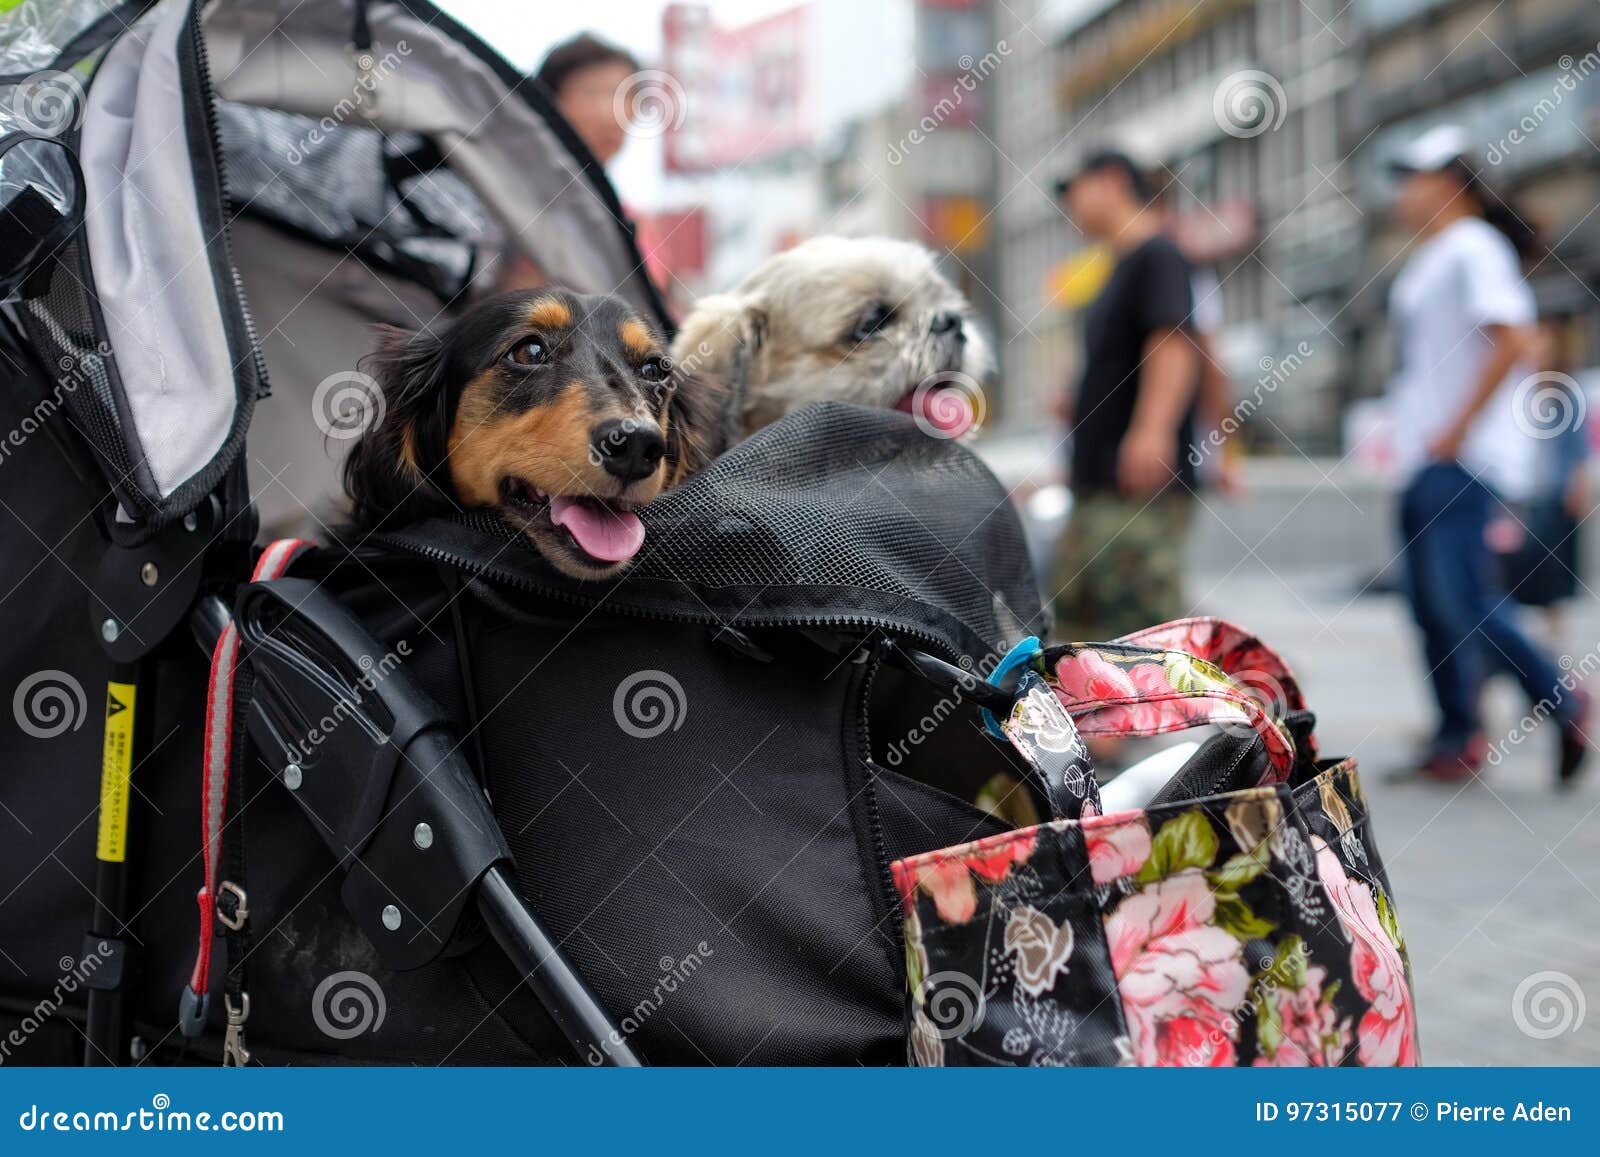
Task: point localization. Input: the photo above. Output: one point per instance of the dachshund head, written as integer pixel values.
(559, 410)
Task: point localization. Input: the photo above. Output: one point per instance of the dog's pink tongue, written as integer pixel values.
(943, 410)
(603, 533)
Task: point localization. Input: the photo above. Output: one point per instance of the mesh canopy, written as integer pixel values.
(835, 514)
(387, 197)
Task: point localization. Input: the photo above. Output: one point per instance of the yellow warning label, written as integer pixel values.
(116, 770)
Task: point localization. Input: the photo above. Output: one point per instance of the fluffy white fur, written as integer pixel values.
(797, 325)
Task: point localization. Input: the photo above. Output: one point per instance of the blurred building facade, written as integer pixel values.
(836, 117)
(1243, 103)
(1523, 78)
(949, 121)
(1274, 118)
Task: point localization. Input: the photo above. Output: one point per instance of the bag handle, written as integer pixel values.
(1039, 728)
(1250, 664)
(1121, 689)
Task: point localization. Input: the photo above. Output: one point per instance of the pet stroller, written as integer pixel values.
(439, 803)
(163, 162)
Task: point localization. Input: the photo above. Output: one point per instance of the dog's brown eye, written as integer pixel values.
(872, 321)
(528, 353)
(653, 369)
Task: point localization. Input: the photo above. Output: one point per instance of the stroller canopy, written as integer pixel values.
(338, 164)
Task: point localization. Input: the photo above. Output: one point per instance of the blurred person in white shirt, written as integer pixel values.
(1462, 315)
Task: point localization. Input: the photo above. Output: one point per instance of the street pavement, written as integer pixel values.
(1497, 882)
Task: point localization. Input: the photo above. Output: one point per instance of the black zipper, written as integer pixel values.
(208, 103)
(872, 811)
(521, 581)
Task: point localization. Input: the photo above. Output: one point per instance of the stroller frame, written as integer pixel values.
(173, 559)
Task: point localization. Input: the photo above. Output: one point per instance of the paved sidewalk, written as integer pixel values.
(1496, 882)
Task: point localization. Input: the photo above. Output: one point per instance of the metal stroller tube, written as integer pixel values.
(558, 986)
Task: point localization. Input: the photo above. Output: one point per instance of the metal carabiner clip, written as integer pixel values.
(234, 1053)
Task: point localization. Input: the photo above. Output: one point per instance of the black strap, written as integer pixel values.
(451, 578)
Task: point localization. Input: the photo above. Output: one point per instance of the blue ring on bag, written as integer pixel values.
(1018, 656)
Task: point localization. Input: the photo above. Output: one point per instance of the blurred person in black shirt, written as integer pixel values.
(1119, 566)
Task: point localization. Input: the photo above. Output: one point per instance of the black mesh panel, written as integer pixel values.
(835, 514)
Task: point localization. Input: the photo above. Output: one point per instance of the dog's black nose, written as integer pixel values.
(947, 322)
(627, 448)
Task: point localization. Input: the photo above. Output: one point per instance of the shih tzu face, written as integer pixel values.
(868, 321)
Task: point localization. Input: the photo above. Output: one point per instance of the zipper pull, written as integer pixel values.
(234, 1053)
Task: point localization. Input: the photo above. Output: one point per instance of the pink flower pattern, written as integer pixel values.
(1118, 846)
(1387, 1034)
(1181, 978)
(1313, 1033)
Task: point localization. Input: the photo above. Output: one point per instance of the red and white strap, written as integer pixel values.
(217, 763)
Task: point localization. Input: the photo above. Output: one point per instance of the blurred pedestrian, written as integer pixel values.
(1217, 454)
(1462, 316)
(1119, 564)
(1543, 570)
(586, 77)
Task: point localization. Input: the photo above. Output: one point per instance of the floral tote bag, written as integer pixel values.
(1247, 923)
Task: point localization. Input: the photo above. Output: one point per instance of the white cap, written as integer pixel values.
(1434, 150)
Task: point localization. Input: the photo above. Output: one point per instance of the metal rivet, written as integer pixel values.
(190, 522)
(422, 836)
(391, 917)
(292, 777)
(110, 630)
(149, 575)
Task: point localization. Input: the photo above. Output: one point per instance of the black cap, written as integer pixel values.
(1100, 161)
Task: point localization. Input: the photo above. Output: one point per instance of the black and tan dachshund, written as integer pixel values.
(560, 410)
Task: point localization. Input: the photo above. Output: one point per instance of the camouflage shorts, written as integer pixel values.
(1119, 566)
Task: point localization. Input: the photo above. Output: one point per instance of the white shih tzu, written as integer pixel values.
(870, 321)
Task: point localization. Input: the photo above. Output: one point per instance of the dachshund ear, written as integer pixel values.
(694, 424)
(390, 469)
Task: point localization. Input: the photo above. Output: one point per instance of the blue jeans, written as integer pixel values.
(1468, 624)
